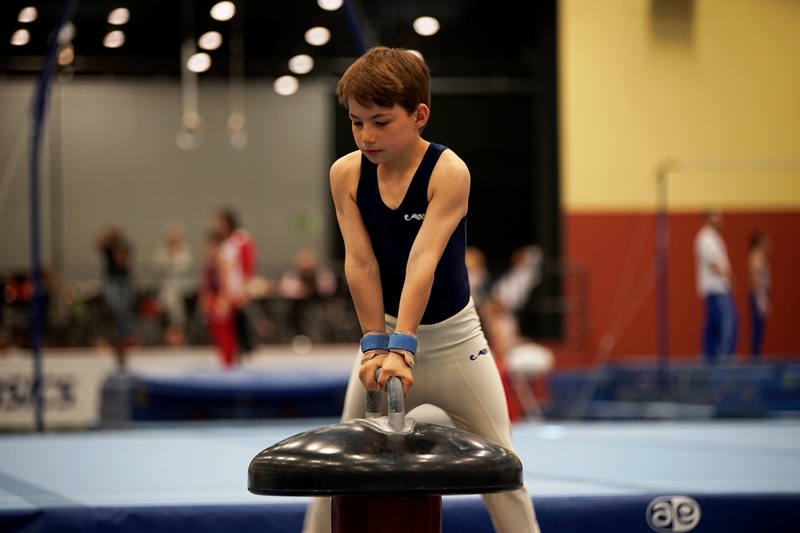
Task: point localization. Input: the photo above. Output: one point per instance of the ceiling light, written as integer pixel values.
(210, 40)
(66, 55)
(114, 39)
(192, 120)
(416, 53)
(236, 128)
(330, 5)
(301, 64)
(66, 33)
(28, 14)
(119, 16)
(426, 26)
(200, 62)
(223, 11)
(318, 36)
(236, 121)
(191, 131)
(286, 85)
(239, 140)
(20, 37)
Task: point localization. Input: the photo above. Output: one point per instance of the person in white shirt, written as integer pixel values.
(172, 261)
(714, 280)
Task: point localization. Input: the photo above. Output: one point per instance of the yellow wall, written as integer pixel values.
(641, 81)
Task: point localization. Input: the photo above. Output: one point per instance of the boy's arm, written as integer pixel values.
(449, 196)
(360, 265)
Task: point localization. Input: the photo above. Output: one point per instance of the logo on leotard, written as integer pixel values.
(419, 217)
(473, 357)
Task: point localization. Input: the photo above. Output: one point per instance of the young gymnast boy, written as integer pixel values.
(401, 205)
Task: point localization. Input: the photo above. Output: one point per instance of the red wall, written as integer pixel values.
(617, 251)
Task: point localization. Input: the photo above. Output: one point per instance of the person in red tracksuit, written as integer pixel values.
(238, 256)
(217, 308)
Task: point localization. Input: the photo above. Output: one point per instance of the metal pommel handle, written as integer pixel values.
(397, 408)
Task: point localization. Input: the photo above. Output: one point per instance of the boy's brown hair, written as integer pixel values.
(386, 76)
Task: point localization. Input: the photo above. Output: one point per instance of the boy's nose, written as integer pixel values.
(368, 134)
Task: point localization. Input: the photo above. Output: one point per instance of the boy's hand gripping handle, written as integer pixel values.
(397, 410)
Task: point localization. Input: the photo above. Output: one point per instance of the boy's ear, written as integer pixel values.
(421, 115)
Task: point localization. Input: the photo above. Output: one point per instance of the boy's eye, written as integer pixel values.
(381, 123)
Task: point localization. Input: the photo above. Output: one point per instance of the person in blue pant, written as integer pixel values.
(714, 282)
(760, 282)
(117, 255)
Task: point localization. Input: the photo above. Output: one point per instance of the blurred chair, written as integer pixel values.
(525, 362)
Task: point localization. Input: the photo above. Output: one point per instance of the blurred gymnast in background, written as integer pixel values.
(760, 282)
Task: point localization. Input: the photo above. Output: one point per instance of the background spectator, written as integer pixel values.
(714, 286)
(760, 283)
(479, 278)
(216, 307)
(524, 273)
(172, 260)
(117, 256)
(238, 256)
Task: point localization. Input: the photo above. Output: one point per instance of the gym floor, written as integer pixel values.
(191, 465)
(598, 476)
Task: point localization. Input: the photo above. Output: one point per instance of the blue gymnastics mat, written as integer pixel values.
(620, 391)
(711, 476)
(212, 394)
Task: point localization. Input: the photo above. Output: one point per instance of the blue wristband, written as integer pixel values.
(403, 341)
(376, 341)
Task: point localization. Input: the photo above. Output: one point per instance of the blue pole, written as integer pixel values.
(359, 30)
(39, 108)
(662, 287)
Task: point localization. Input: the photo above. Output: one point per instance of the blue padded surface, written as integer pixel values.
(598, 477)
(262, 384)
(223, 395)
(720, 514)
(287, 518)
(732, 391)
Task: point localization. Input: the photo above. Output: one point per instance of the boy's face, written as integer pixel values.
(381, 133)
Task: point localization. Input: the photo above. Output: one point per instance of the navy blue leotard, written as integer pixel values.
(392, 233)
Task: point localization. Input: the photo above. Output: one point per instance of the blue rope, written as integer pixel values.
(355, 24)
(39, 108)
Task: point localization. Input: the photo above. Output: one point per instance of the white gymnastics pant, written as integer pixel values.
(455, 371)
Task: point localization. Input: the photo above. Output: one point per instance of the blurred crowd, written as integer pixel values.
(196, 295)
(215, 294)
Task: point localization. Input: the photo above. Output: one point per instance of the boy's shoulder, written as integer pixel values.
(347, 164)
(345, 171)
(449, 157)
(451, 166)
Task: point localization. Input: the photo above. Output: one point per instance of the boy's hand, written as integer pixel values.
(367, 371)
(394, 364)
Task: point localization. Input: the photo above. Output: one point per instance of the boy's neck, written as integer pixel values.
(406, 161)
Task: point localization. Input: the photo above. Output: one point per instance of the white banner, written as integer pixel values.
(74, 378)
(72, 388)
(73, 383)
